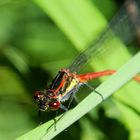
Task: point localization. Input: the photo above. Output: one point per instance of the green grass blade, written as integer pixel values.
(107, 88)
(69, 15)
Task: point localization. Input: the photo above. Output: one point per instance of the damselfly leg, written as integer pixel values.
(93, 89)
(39, 116)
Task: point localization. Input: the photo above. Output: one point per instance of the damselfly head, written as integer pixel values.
(46, 103)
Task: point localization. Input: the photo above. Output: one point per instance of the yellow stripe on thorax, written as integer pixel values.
(74, 82)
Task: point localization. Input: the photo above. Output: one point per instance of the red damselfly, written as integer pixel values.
(67, 81)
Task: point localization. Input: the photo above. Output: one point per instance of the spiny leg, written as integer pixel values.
(63, 108)
(92, 88)
(66, 108)
(71, 99)
(39, 115)
(56, 120)
(54, 123)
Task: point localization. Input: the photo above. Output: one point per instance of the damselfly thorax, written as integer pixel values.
(64, 85)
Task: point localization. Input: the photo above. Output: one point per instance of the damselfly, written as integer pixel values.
(67, 81)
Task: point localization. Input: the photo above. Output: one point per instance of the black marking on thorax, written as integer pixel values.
(57, 80)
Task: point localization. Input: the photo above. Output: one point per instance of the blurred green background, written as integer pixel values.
(37, 39)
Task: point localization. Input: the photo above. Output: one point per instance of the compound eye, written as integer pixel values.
(55, 105)
(37, 95)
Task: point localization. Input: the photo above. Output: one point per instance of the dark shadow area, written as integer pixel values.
(71, 133)
(110, 126)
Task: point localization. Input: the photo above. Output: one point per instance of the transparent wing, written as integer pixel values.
(122, 26)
